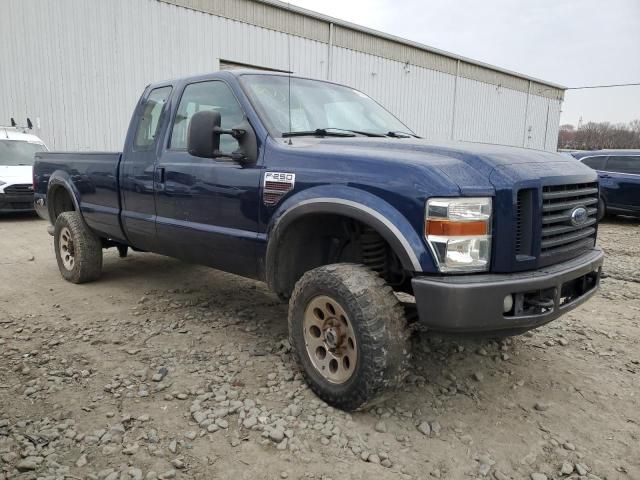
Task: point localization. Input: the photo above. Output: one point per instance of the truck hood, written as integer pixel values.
(16, 173)
(476, 168)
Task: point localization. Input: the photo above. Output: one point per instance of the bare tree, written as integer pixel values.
(594, 135)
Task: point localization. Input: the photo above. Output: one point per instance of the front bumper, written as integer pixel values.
(469, 303)
(16, 203)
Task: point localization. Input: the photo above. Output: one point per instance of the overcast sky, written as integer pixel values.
(569, 42)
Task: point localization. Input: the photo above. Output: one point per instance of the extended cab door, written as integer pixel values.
(137, 168)
(207, 209)
(623, 179)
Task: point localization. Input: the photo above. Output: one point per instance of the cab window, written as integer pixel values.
(150, 121)
(197, 97)
(597, 163)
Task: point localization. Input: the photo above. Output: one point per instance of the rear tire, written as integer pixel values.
(348, 332)
(78, 249)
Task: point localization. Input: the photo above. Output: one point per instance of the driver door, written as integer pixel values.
(207, 209)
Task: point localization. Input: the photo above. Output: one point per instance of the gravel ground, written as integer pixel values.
(168, 370)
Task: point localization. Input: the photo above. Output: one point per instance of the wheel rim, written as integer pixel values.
(67, 251)
(330, 339)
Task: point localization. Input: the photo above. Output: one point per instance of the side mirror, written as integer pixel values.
(203, 138)
(200, 138)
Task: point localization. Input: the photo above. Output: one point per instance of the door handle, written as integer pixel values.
(604, 175)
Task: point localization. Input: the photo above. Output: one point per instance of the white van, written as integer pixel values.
(17, 149)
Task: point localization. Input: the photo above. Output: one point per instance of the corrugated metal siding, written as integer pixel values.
(290, 19)
(84, 71)
(553, 126)
(546, 91)
(263, 15)
(475, 72)
(85, 66)
(422, 98)
(489, 113)
(543, 123)
(363, 42)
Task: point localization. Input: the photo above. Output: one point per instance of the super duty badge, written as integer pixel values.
(276, 185)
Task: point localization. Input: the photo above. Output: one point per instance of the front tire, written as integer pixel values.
(78, 249)
(602, 209)
(348, 332)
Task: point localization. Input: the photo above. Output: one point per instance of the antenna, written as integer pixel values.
(289, 69)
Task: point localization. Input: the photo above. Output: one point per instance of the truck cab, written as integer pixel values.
(340, 208)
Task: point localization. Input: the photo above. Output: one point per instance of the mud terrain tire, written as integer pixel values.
(78, 250)
(361, 300)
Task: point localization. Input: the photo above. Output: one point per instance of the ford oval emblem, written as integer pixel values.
(579, 216)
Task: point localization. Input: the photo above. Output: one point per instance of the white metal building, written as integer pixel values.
(77, 67)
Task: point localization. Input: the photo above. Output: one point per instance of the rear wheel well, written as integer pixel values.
(60, 201)
(321, 239)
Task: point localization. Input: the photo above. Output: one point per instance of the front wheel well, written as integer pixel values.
(321, 239)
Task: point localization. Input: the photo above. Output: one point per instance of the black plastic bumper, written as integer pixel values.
(16, 203)
(476, 302)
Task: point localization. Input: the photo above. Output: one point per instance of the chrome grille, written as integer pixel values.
(561, 234)
(519, 222)
(524, 222)
(19, 189)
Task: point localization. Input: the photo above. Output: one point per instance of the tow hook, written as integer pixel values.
(539, 302)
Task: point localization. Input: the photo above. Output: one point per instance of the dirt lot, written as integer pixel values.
(163, 369)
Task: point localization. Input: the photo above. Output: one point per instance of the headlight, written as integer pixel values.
(458, 231)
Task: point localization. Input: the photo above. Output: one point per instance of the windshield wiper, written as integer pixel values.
(400, 134)
(331, 132)
(318, 132)
(360, 132)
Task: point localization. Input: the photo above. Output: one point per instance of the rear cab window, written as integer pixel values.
(152, 109)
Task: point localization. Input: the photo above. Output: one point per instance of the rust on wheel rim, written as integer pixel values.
(330, 339)
(67, 250)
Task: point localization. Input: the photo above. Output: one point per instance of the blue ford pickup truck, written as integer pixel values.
(317, 190)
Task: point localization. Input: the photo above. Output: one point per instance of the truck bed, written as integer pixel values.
(93, 177)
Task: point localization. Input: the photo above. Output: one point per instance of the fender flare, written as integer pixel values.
(348, 208)
(60, 179)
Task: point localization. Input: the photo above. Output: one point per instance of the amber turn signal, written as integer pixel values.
(455, 229)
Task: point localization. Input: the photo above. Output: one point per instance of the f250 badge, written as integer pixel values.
(276, 185)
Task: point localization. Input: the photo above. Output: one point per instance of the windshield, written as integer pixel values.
(316, 105)
(13, 152)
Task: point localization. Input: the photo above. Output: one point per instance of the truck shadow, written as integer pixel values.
(444, 366)
(452, 364)
(154, 269)
(18, 217)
